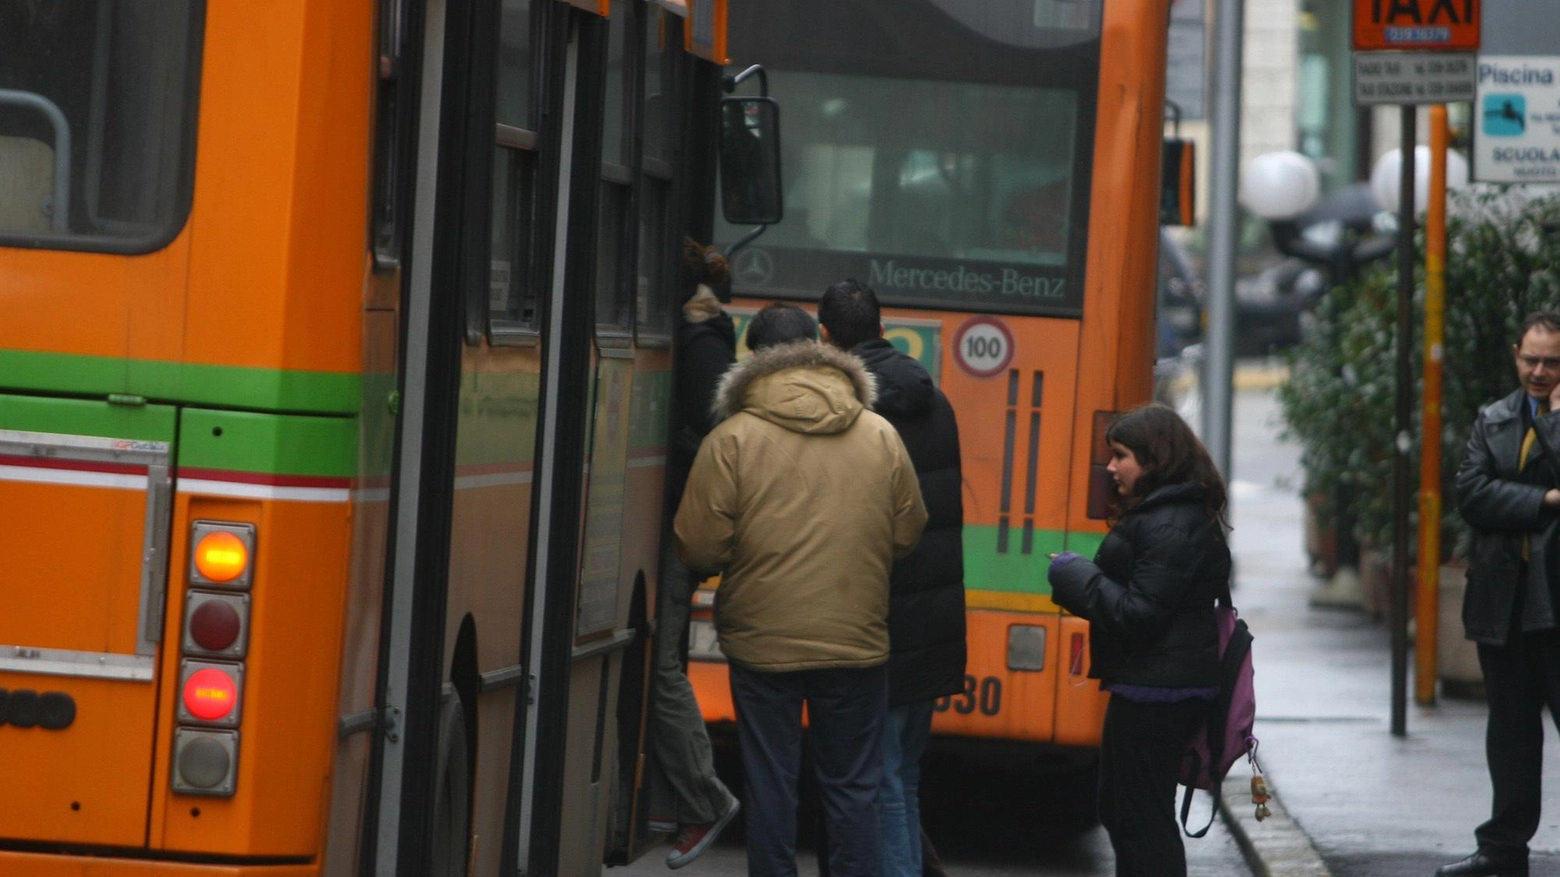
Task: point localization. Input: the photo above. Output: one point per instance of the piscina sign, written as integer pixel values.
(1517, 119)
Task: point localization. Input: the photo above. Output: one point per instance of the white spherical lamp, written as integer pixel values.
(1279, 185)
(1387, 176)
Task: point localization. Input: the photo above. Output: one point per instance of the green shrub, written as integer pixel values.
(1503, 261)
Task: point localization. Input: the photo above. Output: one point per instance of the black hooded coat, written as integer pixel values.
(926, 588)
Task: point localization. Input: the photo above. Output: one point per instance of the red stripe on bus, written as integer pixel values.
(265, 479)
(72, 465)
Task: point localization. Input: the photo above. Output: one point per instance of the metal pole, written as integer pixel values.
(1403, 443)
(1223, 218)
(1428, 612)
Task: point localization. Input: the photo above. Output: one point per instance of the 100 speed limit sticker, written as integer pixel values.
(983, 347)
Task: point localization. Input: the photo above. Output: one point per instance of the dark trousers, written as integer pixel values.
(1140, 762)
(845, 710)
(1520, 679)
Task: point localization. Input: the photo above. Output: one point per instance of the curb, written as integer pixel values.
(1274, 847)
(1259, 375)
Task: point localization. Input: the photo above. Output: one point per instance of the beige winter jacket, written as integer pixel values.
(802, 498)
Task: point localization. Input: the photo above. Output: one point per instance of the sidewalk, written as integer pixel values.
(1351, 798)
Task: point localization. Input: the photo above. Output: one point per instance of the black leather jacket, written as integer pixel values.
(1503, 506)
(1149, 594)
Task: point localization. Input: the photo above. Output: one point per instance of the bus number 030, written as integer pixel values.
(984, 694)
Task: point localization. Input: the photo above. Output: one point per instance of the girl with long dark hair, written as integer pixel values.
(1149, 597)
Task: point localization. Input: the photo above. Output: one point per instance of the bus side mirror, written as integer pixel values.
(1177, 183)
(750, 160)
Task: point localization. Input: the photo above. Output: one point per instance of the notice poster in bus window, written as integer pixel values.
(606, 489)
(706, 32)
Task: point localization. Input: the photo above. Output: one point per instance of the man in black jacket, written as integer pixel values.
(926, 588)
(1508, 489)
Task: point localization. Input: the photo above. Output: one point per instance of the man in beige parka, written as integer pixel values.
(802, 498)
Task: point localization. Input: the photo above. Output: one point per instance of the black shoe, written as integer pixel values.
(1480, 865)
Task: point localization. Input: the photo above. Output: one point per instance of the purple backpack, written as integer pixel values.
(1225, 733)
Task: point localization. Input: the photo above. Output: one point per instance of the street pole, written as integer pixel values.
(1428, 613)
(1218, 368)
(1403, 442)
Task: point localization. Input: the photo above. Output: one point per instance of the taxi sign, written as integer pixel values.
(1416, 24)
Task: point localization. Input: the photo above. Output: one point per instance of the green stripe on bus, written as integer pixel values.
(270, 444)
(87, 417)
(987, 569)
(223, 385)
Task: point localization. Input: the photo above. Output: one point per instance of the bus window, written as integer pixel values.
(97, 118)
(613, 303)
(655, 305)
(516, 70)
(512, 296)
(962, 172)
(614, 243)
(955, 179)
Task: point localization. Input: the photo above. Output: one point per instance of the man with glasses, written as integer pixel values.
(1508, 489)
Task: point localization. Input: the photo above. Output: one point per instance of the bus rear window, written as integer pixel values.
(936, 193)
(97, 113)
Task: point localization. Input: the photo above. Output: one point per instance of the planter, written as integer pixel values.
(1457, 658)
(1321, 541)
(1376, 580)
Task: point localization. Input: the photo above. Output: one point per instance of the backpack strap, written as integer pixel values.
(1186, 809)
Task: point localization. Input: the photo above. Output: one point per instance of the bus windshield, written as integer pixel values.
(940, 185)
(97, 105)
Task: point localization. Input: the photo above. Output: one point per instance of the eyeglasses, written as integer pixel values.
(1550, 363)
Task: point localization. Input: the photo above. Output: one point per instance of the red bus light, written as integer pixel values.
(210, 694)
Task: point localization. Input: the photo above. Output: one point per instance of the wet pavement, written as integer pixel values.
(1362, 801)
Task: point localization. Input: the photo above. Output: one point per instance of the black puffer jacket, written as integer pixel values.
(1149, 594)
(926, 588)
(704, 348)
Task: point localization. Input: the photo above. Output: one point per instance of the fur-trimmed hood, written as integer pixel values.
(804, 386)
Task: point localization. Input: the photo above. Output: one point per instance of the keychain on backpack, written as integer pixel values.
(1260, 796)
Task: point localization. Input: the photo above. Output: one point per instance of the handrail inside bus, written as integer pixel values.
(730, 83)
(60, 211)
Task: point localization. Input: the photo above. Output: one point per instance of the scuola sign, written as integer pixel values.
(1416, 24)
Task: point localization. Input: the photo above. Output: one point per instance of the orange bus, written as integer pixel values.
(334, 363)
(992, 169)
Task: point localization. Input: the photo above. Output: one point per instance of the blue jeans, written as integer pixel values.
(845, 709)
(904, 739)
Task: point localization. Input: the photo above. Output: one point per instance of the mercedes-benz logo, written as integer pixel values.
(754, 268)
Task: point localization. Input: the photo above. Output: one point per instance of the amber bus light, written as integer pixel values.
(221, 556)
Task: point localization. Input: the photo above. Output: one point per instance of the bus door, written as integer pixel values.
(504, 603)
(83, 556)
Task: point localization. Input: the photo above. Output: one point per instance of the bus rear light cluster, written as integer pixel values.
(214, 644)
